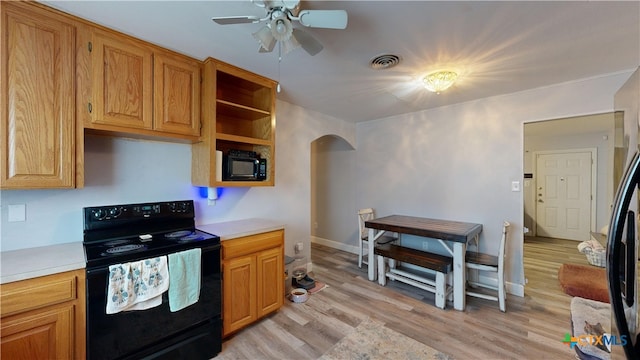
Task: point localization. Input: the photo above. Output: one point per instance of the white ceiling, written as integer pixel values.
(498, 47)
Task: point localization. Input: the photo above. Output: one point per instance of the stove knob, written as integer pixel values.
(184, 206)
(172, 206)
(114, 212)
(99, 214)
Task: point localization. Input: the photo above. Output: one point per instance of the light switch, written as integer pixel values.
(515, 186)
(17, 213)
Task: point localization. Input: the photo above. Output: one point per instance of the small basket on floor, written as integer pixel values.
(596, 257)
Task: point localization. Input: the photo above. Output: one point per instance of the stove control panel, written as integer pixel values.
(145, 210)
(181, 206)
(113, 215)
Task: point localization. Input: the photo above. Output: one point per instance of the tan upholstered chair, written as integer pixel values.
(490, 263)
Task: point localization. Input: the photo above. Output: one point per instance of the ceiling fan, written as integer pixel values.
(281, 14)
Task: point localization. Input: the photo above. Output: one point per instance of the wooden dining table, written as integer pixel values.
(453, 235)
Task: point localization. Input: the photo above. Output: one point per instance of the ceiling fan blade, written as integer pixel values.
(308, 42)
(229, 20)
(328, 19)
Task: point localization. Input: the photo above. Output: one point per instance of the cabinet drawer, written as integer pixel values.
(251, 244)
(35, 293)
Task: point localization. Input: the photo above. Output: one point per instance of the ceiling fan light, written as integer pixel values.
(290, 44)
(281, 28)
(264, 37)
(439, 81)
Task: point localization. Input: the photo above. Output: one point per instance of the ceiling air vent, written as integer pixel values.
(384, 61)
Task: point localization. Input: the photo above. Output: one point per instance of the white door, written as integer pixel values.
(563, 195)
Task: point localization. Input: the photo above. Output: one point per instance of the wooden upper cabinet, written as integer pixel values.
(139, 88)
(37, 68)
(121, 81)
(176, 94)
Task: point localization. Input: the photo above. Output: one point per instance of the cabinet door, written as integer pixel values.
(37, 102)
(270, 280)
(44, 334)
(239, 293)
(176, 82)
(121, 85)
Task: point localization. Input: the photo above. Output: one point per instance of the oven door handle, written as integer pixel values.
(95, 271)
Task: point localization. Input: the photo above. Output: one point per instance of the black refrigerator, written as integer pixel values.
(622, 239)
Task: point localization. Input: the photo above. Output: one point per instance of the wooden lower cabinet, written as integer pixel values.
(252, 278)
(44, 318)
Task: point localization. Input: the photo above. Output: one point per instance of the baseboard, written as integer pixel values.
(511, 288)
(515, 289)
(335, 244)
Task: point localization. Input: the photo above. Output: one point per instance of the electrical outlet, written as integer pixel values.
(299, 247)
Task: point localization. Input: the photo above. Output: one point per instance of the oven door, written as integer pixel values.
(194, 332)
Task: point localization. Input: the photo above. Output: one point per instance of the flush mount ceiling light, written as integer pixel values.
(439, 81)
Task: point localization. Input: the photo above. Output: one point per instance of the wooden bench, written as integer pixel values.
(440, 264)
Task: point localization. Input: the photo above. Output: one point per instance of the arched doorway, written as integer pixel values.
(333, 188)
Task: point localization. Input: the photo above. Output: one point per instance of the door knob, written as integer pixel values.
(540, 201)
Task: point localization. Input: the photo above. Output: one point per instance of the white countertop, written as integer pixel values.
(29, 263)
(234, 229)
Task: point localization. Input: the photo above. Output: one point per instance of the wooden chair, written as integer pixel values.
(363, 235)
(490, 263)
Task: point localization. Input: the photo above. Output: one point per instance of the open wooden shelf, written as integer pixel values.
(238, 109)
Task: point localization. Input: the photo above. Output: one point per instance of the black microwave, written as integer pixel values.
(239, 165)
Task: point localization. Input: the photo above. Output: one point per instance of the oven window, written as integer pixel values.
(125, 334)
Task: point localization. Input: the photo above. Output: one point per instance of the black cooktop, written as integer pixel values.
(126, 249)
(115, 234)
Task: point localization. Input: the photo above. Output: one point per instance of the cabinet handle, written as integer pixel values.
(90, 46)
(90, 108)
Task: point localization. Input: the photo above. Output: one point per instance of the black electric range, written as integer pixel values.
(117, 234)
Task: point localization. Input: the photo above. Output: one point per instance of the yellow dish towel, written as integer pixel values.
(184, 279)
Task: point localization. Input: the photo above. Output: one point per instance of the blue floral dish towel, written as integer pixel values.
(137, 285)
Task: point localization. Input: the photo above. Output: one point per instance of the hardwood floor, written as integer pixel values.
(532, 328)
